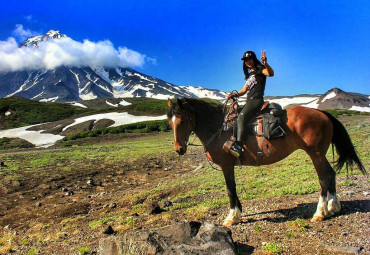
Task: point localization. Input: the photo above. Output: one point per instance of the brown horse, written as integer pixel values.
(308, 129)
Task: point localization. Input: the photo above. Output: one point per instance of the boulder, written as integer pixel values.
(180, 238)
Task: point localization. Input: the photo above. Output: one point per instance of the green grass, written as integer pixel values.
(84, 250)
(139, 127)
(85, 156)
(100, 222)
(32, 251)
(27, 112)
(300, 224)
(271, 248)
(25, 242)
(257, 228)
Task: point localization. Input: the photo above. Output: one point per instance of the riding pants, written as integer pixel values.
(250, 109)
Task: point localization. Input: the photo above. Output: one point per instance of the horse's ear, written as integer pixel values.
(169, 103)
(180, 103)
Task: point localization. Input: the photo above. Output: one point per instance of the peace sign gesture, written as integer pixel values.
(263, 57)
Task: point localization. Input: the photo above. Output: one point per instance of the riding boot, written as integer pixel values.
(236, 149)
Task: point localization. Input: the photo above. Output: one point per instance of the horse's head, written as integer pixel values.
(181, 120)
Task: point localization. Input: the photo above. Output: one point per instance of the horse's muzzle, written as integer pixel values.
(181, 151)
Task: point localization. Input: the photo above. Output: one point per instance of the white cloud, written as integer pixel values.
(28, 17)
(23, 33)
(65, 51)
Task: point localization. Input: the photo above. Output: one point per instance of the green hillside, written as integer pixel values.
(27, 112)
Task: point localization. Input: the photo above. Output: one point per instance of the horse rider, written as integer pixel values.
(255, 74)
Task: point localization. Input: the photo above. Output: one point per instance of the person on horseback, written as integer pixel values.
(255, 76)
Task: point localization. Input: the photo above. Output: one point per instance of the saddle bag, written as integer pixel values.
(272, 126)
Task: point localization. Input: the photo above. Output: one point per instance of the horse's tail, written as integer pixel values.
(343, 145)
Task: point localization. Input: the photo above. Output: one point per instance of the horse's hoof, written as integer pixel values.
(317, 219)
(330, 213)
(334, 207)
(228, 223)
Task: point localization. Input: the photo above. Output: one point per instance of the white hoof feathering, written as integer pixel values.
(333, 204)
(234, 217)
(322, 209)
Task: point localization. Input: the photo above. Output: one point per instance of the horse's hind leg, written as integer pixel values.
(327, 182)
(333, 202)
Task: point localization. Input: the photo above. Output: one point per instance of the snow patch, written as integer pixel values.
(314, 104)
(109, 103)
(36, 137)
(79, 105)
(22, 86)
(119, 118)
(285, 101)
(142, 77)
(52, 99)
(360, 108)
(57, 82)
(88, 96)
(329, 96)
(124, 103)
(76, 75)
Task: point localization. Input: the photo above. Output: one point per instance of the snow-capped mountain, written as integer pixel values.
(333, 99)
(35, 40)
(67, 84)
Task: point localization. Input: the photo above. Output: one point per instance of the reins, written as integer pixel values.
(231, 114)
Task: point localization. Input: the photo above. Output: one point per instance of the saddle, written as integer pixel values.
(267, 122)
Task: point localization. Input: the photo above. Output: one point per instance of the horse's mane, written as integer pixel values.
(207, 114)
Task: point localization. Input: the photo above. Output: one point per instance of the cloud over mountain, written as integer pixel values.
(64, 51)
(22, 33)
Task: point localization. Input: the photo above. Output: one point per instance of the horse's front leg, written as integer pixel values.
(234, 216)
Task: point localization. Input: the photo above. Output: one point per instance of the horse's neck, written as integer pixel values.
(205, 135)
(202, 129)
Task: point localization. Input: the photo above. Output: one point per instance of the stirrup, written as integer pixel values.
(236, 150)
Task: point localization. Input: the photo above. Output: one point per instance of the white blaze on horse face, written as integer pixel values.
(174, 128)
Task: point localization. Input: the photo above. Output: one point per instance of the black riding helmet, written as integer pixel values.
(249, 54)
(252, 55)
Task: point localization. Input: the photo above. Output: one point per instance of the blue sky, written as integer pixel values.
(313, 46)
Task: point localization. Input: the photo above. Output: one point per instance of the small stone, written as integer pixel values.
(167, 204)
(112, 205)
(90, 182)
(39, 204)
(166, 169)
(365, 193)
(349, 193)
(65, 189)
(69, 193)
(109, 230)
(154, 208)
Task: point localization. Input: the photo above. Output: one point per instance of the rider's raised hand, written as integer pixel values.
(263, 57)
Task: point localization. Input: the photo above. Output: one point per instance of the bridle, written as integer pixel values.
(188, 130)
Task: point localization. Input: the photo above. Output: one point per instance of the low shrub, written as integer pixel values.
(140, 127)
